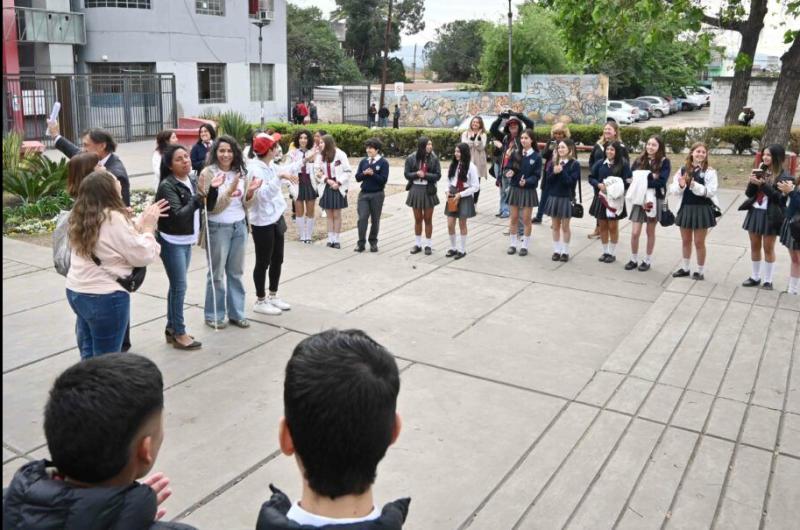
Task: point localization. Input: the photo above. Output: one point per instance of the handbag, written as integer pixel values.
(452, 204)
(577, 207)
(716, 210)
(130, 282)
(667, 217)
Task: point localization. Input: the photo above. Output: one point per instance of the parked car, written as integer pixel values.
(685, 103)
(674, 105)
(697, 96)
(643, 106)
(659, 105)
(488, 119)
(621, 112)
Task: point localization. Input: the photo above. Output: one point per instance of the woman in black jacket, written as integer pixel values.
(179, 231)
(422, 172)
(765, 207)
(206, 135)
(510, 133)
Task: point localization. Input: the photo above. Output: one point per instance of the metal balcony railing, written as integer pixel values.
(52, 27)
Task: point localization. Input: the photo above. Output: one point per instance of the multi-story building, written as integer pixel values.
(211, 47)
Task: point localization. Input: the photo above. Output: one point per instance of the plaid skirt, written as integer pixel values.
(522, 197)
(695, 216)
(638, 215)
(598, 211)
(332, 199)
(756, 222)
(307, 192)
(466, 208)
(786, 236)
(560, 207)
(419, 199)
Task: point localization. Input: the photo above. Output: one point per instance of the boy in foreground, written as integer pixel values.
(340, 399)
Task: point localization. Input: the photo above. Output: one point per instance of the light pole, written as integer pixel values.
(509, 54)
(261, 23)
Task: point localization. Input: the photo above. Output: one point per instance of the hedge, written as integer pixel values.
(403, 141)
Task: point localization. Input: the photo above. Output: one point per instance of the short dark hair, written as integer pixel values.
(374, 143)
(99, 136)
(95, 409)
(340, 396)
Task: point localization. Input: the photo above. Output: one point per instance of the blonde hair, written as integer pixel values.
(690, 159)
(614, 125)
(560, 127)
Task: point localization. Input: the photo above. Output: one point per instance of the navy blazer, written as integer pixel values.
(794, 204)
(113, 165)
(601, 171)
(563, 184)
(198, 156)
(599, 153)
(376, 181)
(530, 170)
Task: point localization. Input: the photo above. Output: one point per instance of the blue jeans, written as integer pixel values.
(102, 321)
(227, 247)
(383, 122)
(176, 260)
(504, 185)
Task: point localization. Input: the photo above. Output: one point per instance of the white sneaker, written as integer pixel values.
(266, 308)
(324, 213)
(278, 303)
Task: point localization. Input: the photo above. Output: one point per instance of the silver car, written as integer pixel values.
(660, 105)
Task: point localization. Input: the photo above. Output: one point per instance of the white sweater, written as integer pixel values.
(708, 190)
(340, 172)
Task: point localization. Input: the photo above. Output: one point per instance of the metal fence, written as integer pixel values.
(355, 104)
(129, 106)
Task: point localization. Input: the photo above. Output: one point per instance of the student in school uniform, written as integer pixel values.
(654, 160)
(564, 174)
(334, 172)
(372, 173)
(463, 183)
(422, 171)
(765, 207)
(791, 189)
(695, 186)
(206, 134)
(613, 165)
(522, 197)
(558, 132)
(514, 122)
(302, 161)
(609, 136)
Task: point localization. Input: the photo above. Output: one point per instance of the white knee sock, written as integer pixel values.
(418, 240)
(766, 271)
(309, 228)
(794, 283)
(453, 241)
(525, 241)
(612, 249)
(513, 238)
(701, 269)
(564, 248)
(557, 247)
(462, 243)
(635, 258)
(330, 237)
(756, 271)
(648, 259)
(685, 264)
(301, 228)
(429, 243)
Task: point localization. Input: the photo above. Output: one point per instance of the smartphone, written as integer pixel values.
(758, 173)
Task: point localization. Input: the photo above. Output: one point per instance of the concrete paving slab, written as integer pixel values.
(600, 388)
(8, 455)
(28, 254)
(726, 418)
(32, 290)
(785, 498)
(744, 497)
(790, 439)
(761, 428)
(771, 385)
(693, 411)
(630, 395)
(740, 378)
(661, 403)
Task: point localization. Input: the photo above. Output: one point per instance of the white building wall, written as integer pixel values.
(759, 97)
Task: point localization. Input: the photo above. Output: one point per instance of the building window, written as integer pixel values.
(211, 83)
(210, 7)
(133, 4)
(111, 78)
(261, 82)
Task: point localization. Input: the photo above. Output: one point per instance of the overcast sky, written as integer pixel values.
(438, 12)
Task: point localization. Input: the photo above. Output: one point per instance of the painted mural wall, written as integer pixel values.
(544, 98)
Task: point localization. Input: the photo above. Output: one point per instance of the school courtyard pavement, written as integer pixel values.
(534, 394)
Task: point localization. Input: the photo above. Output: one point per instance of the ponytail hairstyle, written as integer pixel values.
(462, 165)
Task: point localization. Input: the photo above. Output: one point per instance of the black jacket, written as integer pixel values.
(182, 204)
(383, 113)
(432, 176)
(273, 516)
(35, 500)
(113, 165)
(777, 201)
(494, 132)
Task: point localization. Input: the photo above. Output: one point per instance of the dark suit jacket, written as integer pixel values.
(113, 165)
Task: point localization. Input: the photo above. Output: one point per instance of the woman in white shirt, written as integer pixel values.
(302, 160)
(463, 182)
(105, 245)
(164, 139)
(227, 234)
(332, 170)
(267, 224)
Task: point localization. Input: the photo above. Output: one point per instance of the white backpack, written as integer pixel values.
(61, 248)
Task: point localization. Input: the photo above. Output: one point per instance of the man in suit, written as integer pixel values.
(102, 144)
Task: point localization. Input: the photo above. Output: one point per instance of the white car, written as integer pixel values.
(697, 96)
(621, 112)
(660, 105)
(488, 119)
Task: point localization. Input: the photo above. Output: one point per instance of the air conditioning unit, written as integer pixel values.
(266, 16)
(263, 10)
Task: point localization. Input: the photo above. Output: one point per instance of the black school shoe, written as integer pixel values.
(698, 276)
(459, 255)
(767, 286)
(564, 257)
(523, 252)
(428, 251)
(511, 251)
(336, 245)
(415, 250)
(602, 259)
(750, 282)
(373, 248)
(329, 244)
(556, 256)
(536, 221)
(450, 253)
(644, 266)
(359, 248)
(611, 258)
(681, 273)
(631, 265)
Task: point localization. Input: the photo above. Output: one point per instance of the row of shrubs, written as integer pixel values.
(401, 142)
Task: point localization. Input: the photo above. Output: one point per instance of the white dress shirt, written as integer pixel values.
(473, 183)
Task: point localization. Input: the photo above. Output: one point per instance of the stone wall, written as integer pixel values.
(759, 97)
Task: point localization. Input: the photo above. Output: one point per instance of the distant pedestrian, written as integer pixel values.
(475, 137)
(558, 132)
(302, 112)
(789, 234)
(372, 173)
(165, 138)
(383, 116)
(396, 118)
(463, 183)
(206, 135)
(372, 114)
(746, 116)
(312, 112)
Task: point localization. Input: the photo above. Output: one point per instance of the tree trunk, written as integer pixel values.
(784, 102)
(750, 31)
(385, 54)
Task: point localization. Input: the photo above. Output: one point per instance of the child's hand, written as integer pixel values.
(786, 186)
(159, 484)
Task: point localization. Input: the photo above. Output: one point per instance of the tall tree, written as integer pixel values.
(536, 49)
(787, 92)
(456, 52)
(312, 50)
